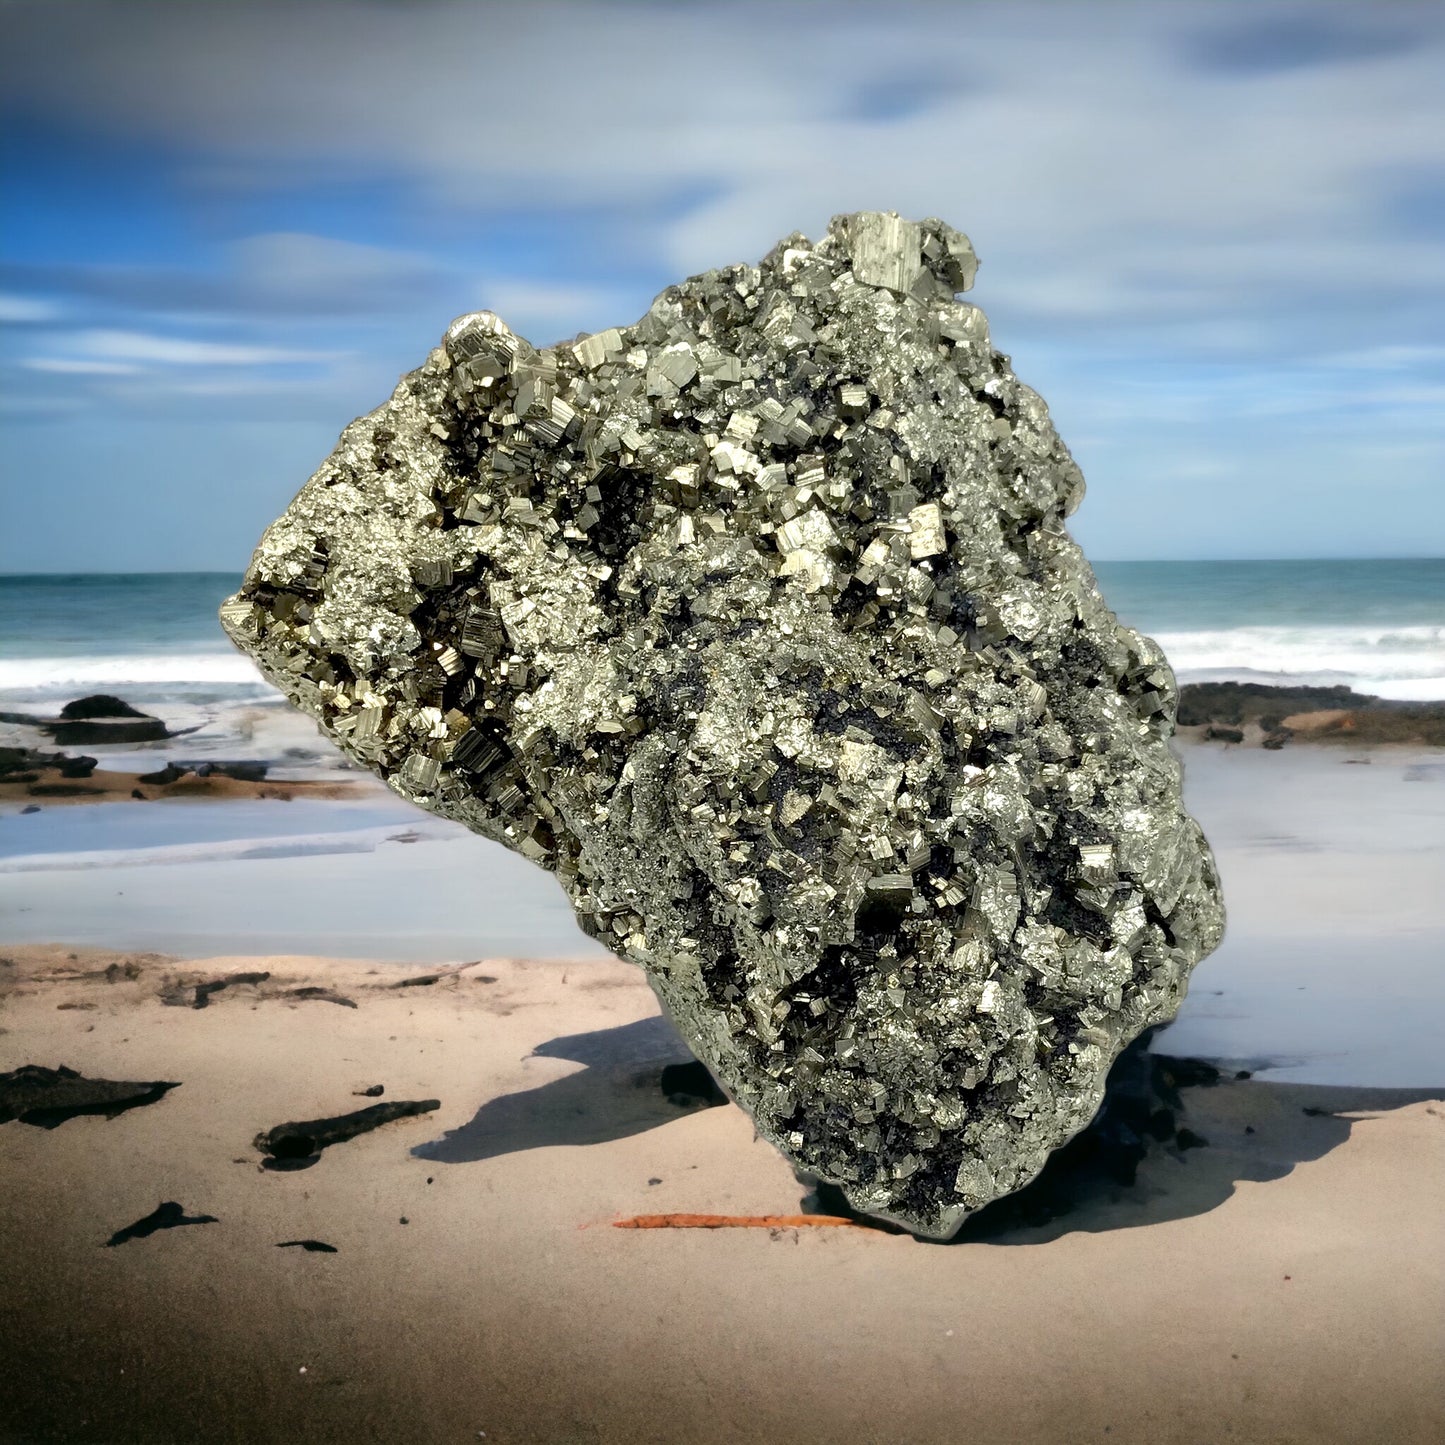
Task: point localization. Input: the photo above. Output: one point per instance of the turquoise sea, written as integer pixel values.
(1378, 626)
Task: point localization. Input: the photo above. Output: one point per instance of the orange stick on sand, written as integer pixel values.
(737, 1221)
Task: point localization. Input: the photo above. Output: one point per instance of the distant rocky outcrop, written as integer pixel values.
(98, 705)
(25, 765)
(98, 720)
(1273, 715)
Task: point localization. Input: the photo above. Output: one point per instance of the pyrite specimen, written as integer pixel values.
(757, 623)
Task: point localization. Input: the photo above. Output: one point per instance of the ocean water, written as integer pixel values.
(1378, 626)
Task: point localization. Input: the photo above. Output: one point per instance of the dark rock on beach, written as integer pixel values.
(162, 777)
(96, 721)
(24, 765)
(246, 771)
(48, 1097)
(198, 994)
(101, 719)
(99, 705)
(320, 995)
(106, 731)
(306, 1139)
(204, 991)
(1216, 734)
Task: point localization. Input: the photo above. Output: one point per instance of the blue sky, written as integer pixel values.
(1211, 235)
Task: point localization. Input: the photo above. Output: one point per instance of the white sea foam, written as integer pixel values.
(45, 674)
(1395, 662)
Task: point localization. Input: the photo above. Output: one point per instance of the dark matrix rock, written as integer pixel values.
(757, 623)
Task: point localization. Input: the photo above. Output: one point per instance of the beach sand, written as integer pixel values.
(1283, 1282)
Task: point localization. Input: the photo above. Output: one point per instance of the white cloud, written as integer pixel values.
(1386, 358)
(143, 366)
(139, 346)
(285, 274)
(24, 310)
(537, 309)
(79, 366)
(1215, 261)
(1110, 160)
(314, 272)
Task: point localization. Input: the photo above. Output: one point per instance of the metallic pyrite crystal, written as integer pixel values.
(757, 623)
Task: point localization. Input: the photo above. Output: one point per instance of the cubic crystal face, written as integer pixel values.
(758, 624)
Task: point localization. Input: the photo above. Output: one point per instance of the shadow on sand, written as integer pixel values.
(1171, 1140)
(637, 1076)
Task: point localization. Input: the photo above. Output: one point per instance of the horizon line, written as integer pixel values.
(1108, 561)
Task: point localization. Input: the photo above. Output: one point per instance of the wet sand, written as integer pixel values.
(50, 787)
(1331, 860)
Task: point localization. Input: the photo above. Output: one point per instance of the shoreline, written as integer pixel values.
(53, 786)
(1330, 858)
